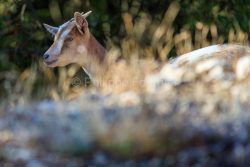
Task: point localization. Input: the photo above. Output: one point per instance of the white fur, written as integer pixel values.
(58, 48)
(51, 29)
(60, 40)
(82, 49)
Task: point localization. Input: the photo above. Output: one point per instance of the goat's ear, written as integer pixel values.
(81, 22)
(51, 29)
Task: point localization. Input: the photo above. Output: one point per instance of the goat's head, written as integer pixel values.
(70, 40)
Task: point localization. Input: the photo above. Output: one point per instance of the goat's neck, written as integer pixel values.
(93, 60)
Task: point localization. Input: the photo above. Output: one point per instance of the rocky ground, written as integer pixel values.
(192, 113)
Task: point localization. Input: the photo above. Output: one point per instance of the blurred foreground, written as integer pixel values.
(192, 114)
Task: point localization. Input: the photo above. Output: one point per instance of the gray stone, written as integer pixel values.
(243, 67)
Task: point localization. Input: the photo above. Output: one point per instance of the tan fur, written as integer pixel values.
(78, 46)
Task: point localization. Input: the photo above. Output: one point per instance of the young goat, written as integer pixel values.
(74, 43)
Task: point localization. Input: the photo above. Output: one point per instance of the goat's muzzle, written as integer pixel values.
(45, 56)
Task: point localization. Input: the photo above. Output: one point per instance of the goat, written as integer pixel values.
(74, 43)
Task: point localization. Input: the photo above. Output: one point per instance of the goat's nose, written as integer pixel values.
(45, 56)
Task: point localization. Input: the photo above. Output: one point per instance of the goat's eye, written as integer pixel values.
(69, 39)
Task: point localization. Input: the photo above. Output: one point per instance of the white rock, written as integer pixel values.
(34, 163)
(189, 75)
(152, 82)
(172, 74)
(216, 73)
(198, 54)
(15, 154)
(209, 64)
(129, 99)
(243, 67)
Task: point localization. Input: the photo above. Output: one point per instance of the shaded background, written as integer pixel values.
(23, 39)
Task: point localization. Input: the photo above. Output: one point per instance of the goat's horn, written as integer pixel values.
(87, 14)
(84, 15)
